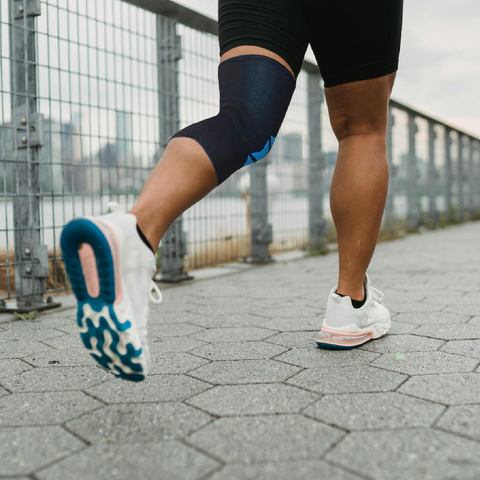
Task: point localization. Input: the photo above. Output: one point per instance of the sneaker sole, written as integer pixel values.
(109, 341)
(338, 340)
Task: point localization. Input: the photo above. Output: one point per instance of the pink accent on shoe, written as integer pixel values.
(89, 269)
(344, 339)
(112, 240)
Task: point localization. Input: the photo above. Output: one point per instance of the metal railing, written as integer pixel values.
(90, 93)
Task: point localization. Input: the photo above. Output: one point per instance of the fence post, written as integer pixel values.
(31, 257)
(261, 232)
(413, 211)
(390, 203)
(432, 175)
(460, 177)
(471, 180)
(174, 242)
(317, 225)
(448, 173)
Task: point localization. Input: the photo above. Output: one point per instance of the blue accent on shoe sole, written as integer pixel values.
(83, 231)
(329, 346)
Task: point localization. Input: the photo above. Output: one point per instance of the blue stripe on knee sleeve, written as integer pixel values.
(255, 92)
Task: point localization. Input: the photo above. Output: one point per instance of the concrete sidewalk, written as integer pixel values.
(239, 390)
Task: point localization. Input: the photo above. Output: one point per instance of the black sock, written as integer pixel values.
(356, 303)
(144, 238)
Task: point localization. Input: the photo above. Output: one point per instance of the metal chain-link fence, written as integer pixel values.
(90, 93)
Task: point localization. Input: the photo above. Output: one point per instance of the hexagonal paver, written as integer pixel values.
(266, 438)
(166, 460)
(431, 318)
(24, 409)
(253, 399)
(292, 312)
(348, 380)
(398, 328)
(168, 362)
(174, 344)
(56, 379)
(65, 341)
(451, 332)
(403, 343)
(305, 470)
(163, 330)
(421, 363)
(156, 388)
(469, 348)
(317, 357)
(295, 339)
(411, 453)
(413, 307)
(373, 411)
(297, 324)
(235, 334)
(464, 420)
(239, 351)
(3, 392)
(63, 357)
(21, 348)
(464, 309)
(451, 389)
(31, 331)
(8, 368)
(178, 316)
(139, 423)
(244, 371)
(231, 320)
(24, 450)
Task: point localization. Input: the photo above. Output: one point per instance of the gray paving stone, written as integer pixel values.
(451, 332)
(56, 379)
(299, 324)
(235, 334)
(469, 348)
(399, 328)
(292, 312)
(374, 411)
(65, 341)
(24, 450)
(3, 392)
(34, 409)
(295, 339)
(168, 362)
(159, 316)
(244, 371)
(231, 320)
(21, 348)
(464, 420)
(172, 329)
(9, 368)
(421, 363)
(266, 438)
(61, 357)
(239, 351)
(403, 343)
(259, 399)
(156, 388)
(431, 318)
(464, 309)
(450, 389)
(154, 461)
(413, 307)
(348, 379)
(309, 357)
(139, 423)
(305, 470)
(174, 344)
(29, 331)
(413, 454)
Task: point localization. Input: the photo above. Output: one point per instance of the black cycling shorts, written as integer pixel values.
(352, 39)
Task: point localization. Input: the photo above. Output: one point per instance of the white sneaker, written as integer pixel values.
(111, 270)
(347, 327)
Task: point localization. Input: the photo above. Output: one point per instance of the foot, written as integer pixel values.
(347, 327)
(111, 270)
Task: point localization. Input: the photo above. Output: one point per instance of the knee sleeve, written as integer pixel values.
(255, 92)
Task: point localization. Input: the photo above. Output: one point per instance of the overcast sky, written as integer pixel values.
(439, 70)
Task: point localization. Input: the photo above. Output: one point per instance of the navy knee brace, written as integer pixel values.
(255, 92)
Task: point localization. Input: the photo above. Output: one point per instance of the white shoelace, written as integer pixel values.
(159, 297)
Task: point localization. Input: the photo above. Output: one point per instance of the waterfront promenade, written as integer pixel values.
(239, 390)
